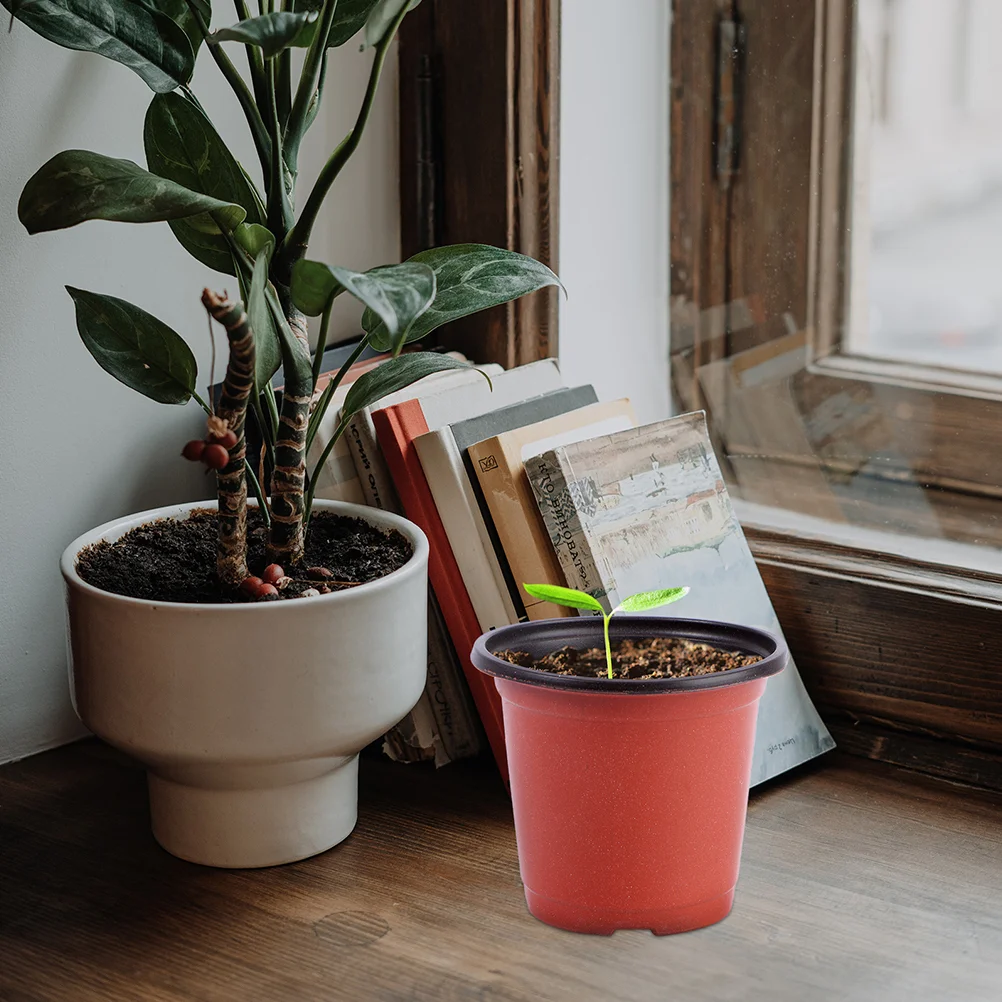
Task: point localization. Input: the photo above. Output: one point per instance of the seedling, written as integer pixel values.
(574, 599)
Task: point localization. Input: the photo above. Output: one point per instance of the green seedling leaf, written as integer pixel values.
(147, 41)
(135, 347)
(645, 600)
(183, 146)
(569, 597)
(77, 185)
(468, 278)
(271, 33)
(574, 599)
(394, 374)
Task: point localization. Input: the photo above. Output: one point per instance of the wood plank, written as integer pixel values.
(921, 657)
(479, 100)
(858, 883)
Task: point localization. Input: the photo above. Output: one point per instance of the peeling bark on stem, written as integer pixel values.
(286, 540)
(231, 552)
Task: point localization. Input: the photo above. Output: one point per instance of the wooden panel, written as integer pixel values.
(918, 752)
(885, 639)
(771, 198)
(479, 101)
(699, 204)
(857, 883)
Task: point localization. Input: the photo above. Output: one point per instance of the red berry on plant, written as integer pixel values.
(193, 450)
(266, 591)
(250, 585)
(215, 457)
(227, 440)
(272, 574)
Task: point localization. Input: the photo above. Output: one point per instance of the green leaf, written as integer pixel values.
(183, 146)
(645, 600)
(381, 15)
(349, 19)
(469, 278)
(180, 13)
(254, 238)
(77, 185)
(267, 343)
(394, 374)
(570, 597)
(145, 40)
(398, 293)
(272, 33)
(135, 347)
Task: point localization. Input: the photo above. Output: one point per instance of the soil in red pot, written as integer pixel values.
(663, 657)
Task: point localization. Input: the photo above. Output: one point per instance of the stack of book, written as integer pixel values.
(520, 479)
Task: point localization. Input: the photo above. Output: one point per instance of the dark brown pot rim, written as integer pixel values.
(545, 636)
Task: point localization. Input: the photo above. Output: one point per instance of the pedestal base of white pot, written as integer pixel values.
(249, 717)
(241, 828)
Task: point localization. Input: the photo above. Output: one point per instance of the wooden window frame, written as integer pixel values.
(479, 113)
(899, 651)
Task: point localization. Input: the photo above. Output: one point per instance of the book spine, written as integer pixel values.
(373, 474)
(528, 564)
(551, 486)
(449, 697)
(398, 426)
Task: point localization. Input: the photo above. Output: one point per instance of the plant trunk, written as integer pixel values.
(231, 552)
(286, 543)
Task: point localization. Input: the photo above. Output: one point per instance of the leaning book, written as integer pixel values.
(647, 508)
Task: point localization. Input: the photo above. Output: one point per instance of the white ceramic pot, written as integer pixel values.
(249, 717)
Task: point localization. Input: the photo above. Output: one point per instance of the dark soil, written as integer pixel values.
(665, 657)
(175, 560)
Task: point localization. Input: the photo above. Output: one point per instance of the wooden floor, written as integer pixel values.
(858, 883)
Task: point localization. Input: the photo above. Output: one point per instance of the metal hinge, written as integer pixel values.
(727, 106)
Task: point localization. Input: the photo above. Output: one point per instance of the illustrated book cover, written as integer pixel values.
(647, 508)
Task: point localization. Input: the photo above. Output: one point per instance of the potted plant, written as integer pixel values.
(246, 653)
(629, 759)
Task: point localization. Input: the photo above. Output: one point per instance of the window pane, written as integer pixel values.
(926, 238)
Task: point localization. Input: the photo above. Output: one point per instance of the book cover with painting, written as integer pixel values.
(647, 508)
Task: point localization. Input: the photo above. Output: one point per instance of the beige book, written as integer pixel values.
(498, 463)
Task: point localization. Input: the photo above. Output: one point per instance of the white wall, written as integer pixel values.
(614, 201)
(76, 447)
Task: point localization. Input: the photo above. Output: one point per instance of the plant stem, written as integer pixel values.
(283, 87)
(240, 89)
(329, 390)
(328, 448)
(262, 501)
(318, 355)
(279, 208)
(308, 81)
(255, 61)
(238, 385)
(608, 645)
(294, 246)
(201, 403)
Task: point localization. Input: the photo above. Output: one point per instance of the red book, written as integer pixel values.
(396, 428)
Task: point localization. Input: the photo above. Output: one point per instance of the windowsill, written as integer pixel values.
(938, 554)
(859, 882)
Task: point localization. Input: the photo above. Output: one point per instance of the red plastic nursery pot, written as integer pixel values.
(629, 794)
